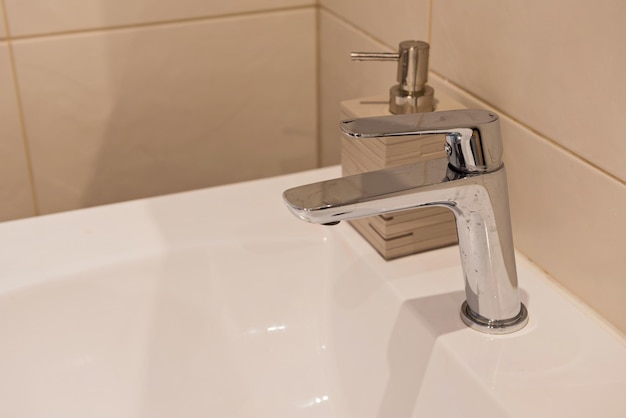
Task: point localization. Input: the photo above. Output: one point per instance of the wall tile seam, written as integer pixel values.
(22, 120)
(318, 85)
(431, 4)
(357, 28)
(532, 130)
(579, 303)
(5, 21)
(172, 22)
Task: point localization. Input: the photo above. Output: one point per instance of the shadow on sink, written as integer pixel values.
(419, 324)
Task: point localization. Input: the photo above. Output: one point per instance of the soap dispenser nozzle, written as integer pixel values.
(412, 94)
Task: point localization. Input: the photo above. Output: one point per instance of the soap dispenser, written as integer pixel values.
(417, 230)
(411, 94)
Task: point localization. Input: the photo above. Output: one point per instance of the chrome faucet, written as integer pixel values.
(471, 182)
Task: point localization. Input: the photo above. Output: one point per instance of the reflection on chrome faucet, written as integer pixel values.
(471, 182)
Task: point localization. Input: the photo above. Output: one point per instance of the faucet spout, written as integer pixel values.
(475, 191)
(371, 193)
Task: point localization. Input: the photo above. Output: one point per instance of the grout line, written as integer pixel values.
(318, 87)
(20, 108)
(431, 3)
(5, 20)
(529, 128)
(158, 23)
(357, 28)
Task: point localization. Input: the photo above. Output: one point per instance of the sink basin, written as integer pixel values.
(219, 302)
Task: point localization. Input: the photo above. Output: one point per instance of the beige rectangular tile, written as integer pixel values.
(390, 21)
(28, 17)
(342, 79)
(15, 190)
(3, 33)
(568, 219)
(139, 112)
(567, 216)
(556, 66)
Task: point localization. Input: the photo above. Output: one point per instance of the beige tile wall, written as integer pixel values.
(554, 73)
(154, 107)
(3, 33)
(564, 78)
(388, 21)
(30, 17)
(15, 189)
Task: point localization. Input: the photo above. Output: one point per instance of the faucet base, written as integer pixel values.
(498, 327)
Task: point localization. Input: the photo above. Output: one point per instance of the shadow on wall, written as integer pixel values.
(197, 104)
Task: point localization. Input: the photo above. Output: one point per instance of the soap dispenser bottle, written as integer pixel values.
(417, 230)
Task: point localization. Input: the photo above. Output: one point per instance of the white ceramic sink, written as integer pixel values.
(220, 303)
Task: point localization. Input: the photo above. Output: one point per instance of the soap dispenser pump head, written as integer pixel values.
(412, 66)
(411, 94)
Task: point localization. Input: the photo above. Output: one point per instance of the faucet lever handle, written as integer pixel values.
(473, 141)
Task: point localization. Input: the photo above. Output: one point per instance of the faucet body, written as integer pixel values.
(471, 183)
